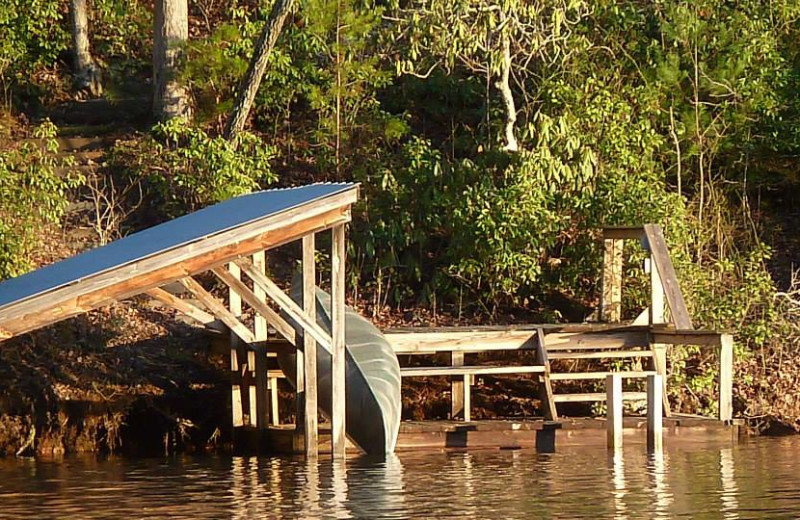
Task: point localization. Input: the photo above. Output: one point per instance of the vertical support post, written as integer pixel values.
(546, 392)
(274, 415)
(657, 300)
(456, 387)
(310, 427)
(659, 351)
(614, 411)
(338, 390)
(251, 388)
(611, 303)
(467, 381)
(655, 386)
(261, 394)
(235, 306)
(725, 377)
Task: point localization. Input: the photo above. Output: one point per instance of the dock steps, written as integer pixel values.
(573, 376)
(601, 396)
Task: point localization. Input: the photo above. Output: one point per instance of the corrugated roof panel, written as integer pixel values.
(232, 213)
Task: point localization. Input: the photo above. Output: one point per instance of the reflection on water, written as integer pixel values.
(760, 479)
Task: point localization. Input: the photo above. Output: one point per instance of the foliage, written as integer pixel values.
(186, 169)
(34, 184)
(33, 36)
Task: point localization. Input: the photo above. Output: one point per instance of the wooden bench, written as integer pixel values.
(468, 373)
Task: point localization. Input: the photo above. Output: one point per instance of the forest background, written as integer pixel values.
(492, 141)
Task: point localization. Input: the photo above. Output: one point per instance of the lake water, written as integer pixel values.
(757, 479)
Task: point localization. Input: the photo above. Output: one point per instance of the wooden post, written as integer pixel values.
(260, 332)
(656, 294)
(456, 387)
(611, 303)
(614, 411)
(274, 415)
(311, 438)
(660, 365)
(467, 382)
(235, 306)
(655, 386)
(725, 377)
(546, 392)
(338, 390)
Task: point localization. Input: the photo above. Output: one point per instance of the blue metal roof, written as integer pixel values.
(232, 213)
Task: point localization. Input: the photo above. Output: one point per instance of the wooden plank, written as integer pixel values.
(597, 397)
(655, 386)
(469, 370)
(338, 407)
(613, 354)
(184, 307)
(311, 426)
(546, 392)
(577, 376)
(250, 297)
(251, 389)
(155, 271)
(286, 303)
(623, 232)
(726, 378)
(493, 340)
(669, 279)
(237, 411)
(611, 301)
(682, 337)
(456, 387)
(613, 398)
(218, 309)
(274, 410)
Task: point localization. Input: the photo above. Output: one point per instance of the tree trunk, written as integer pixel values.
(258, 64)
(508, 98)
(170, 32)
(87, 77)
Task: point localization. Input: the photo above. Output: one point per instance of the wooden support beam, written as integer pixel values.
(218, 309)
(669, 279)
(611, 302)
(274, 404)
(311, 428)
(614, 411)
(184, 307)
(457, 388)
(726, 378)
(655, 385)
(546, 388)
(261, 334)
(338, 389)
(467, 382)
(242, 388)
(286, 303)
(687, 337)
(623, 232)
(656, 308)
(254, 301)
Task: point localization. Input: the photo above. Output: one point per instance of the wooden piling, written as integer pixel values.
(467, 382)
(456, 387)
(614, 411)
(310, 428)
(235, 307)
(654, 412)
(725, 377)
(338, 405)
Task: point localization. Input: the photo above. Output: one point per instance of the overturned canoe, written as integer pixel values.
(372, 378)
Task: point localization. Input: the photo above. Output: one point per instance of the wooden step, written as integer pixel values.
(564, 376)
(601, 355)
(601, 396)
(468, 370)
